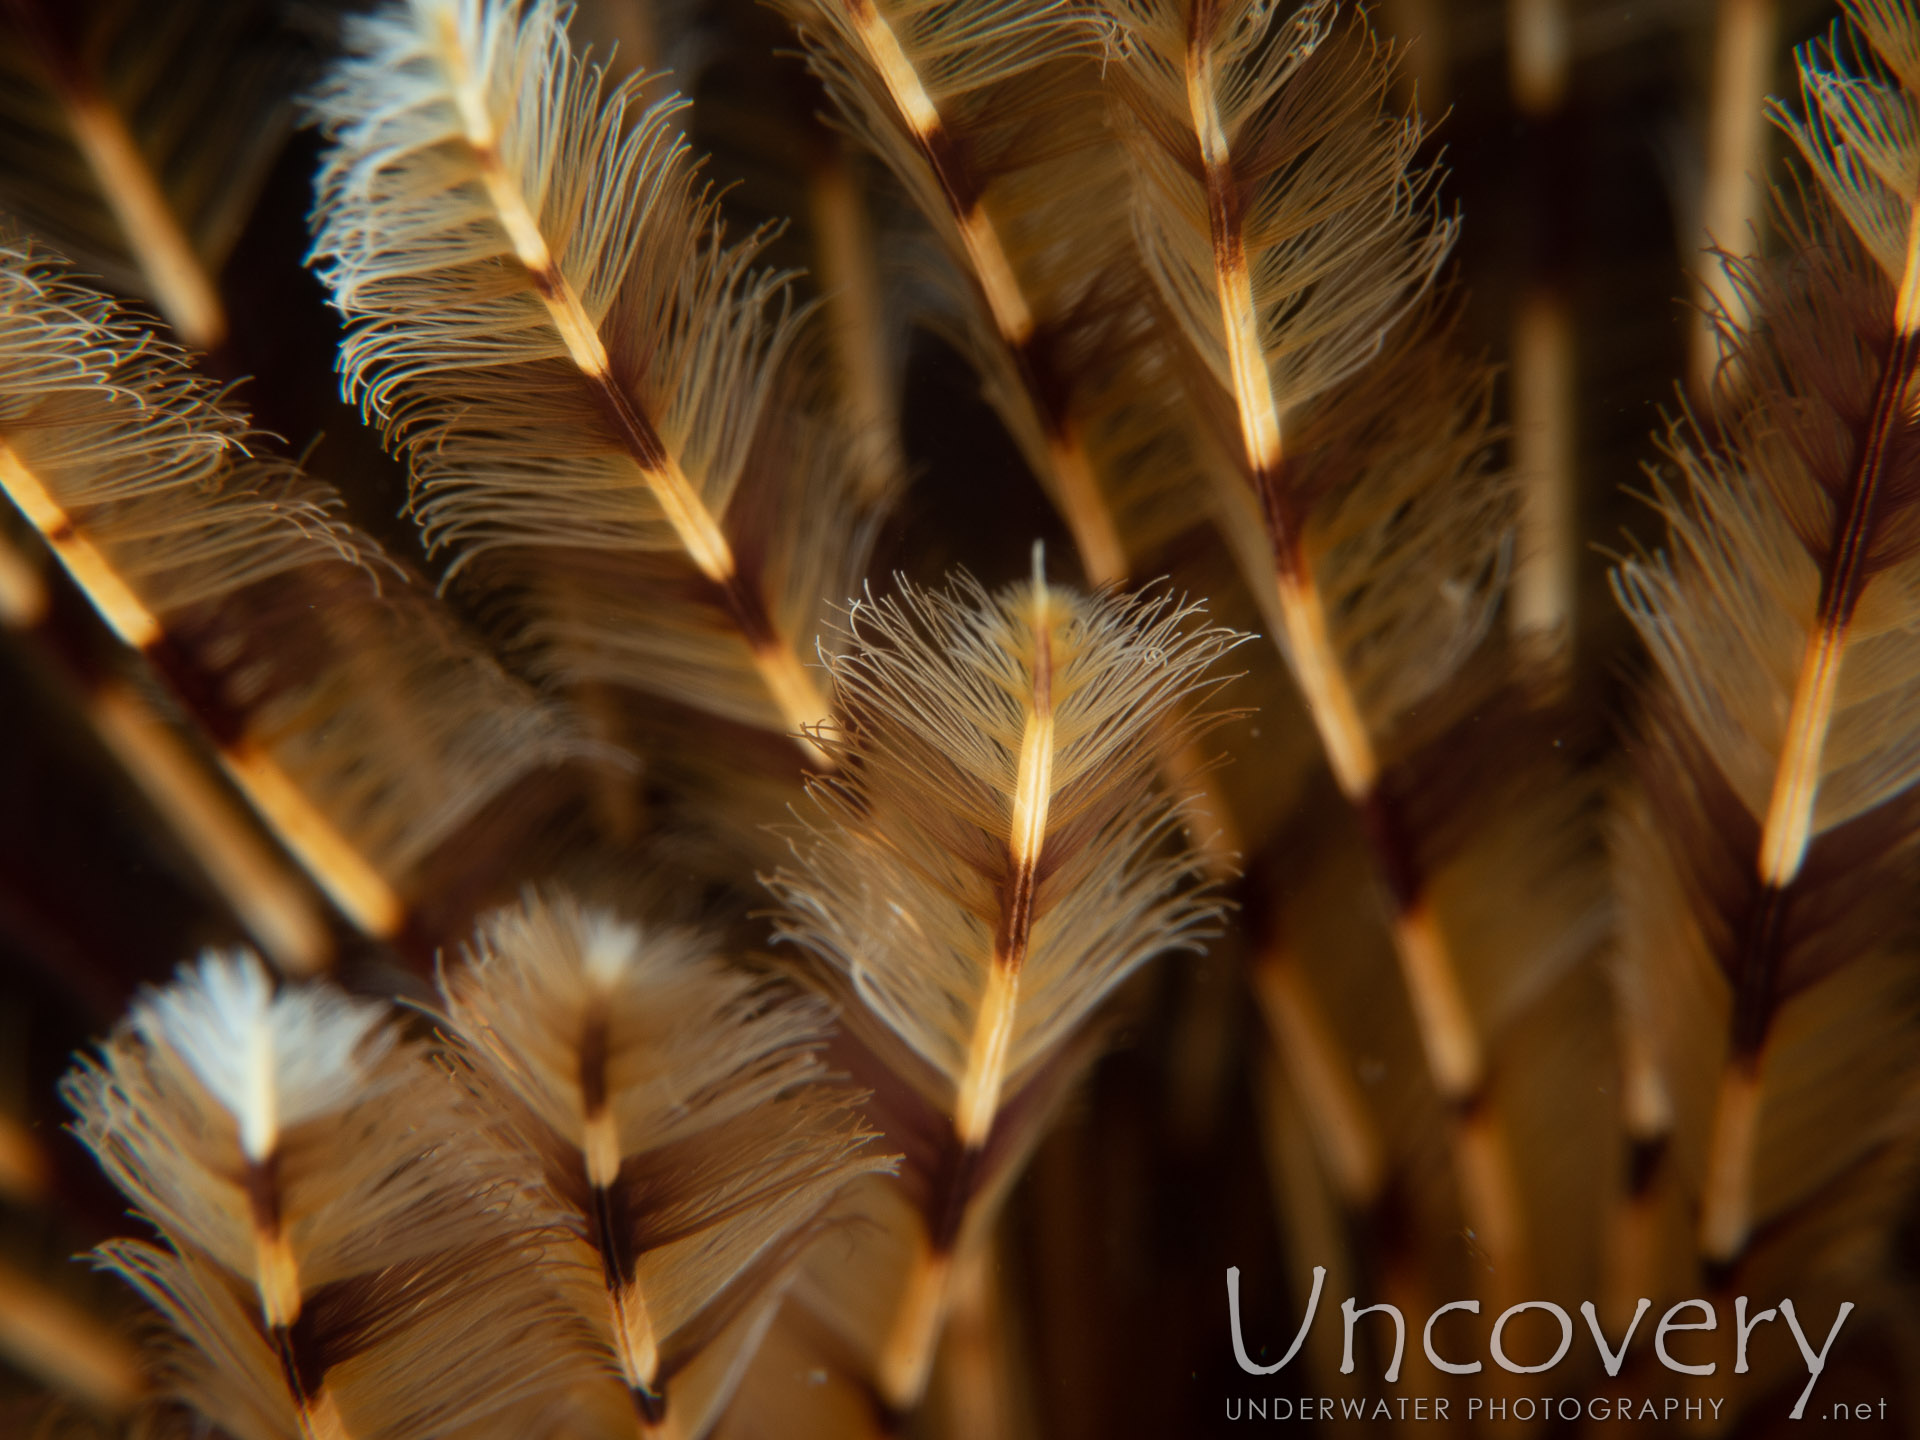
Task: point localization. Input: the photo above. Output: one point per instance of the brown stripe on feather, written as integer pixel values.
(197, 689)
(263, 1195)
(1756, 972)
(300, 1371)
(1395, 856)
(593, 1066)
(1848, 563)
(1283, 505)
(1644, 1160)
(952, 1190)
(1756, 963)
(634, 431)
(947, 156)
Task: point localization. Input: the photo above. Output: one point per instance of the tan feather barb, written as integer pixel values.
(546, 319)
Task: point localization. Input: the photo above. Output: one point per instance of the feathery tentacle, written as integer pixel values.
(1288, 228)
(341, 1260)
(144, 485)
(1780, 622)
(994, 862)
(678, 1114)
(546, 319)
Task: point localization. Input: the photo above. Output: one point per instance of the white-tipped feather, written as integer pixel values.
(293, 1149)
(273, 1061)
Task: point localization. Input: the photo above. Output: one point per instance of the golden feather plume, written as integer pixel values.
(146, 486)
(675, 1114)
(342, 1256)
(994, 862)
(1761, 858)
(1290, 230)
(546, 319)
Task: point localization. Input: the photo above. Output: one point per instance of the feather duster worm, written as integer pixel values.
(282, 630)
(994, 862)
(1289, 231)
(610, 1175)
(1765, 862)
(341, 1258)
(675, 1115)
(1152, 212)
(545, 317)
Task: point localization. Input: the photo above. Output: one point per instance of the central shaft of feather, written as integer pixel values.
(339, 868)
(1102, 555)
(1796, 780)
(906, 1360)
(1323, 685)
(636, 1346)
(516, 217)
(634, 1340)
(977, 1098)
(1726, 1203)
(907, 1357)
(276, 1276)
(276, 1272)
(124, 611)
(896, 71)
(335, 863)
(1240, 321)
(694, 525)
(1322, 681)
(1433, 985)
(1011, 314)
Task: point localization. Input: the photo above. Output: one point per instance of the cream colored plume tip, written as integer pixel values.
(271, 1056)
